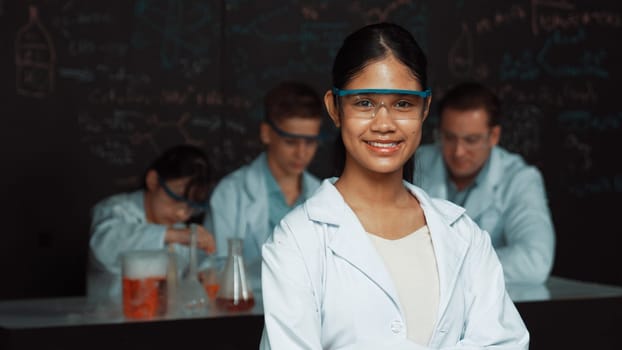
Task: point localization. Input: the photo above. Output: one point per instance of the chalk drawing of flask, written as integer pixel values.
(35, 58)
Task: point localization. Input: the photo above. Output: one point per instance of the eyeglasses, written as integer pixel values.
(194, 208)
(400, 104)
(470, 142)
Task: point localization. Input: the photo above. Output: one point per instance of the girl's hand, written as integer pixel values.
(205, 239)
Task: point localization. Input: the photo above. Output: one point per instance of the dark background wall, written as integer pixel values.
(92, 91)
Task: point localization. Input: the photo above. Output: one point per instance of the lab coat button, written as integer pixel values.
(397, 326)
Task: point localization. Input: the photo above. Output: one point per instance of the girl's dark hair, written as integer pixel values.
(373, 43)
(183, 161)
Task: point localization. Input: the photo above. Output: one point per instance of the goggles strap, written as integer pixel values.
(284, 133)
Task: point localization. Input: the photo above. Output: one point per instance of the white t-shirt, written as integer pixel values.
(411, 263)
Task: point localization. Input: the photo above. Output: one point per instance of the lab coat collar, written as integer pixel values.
(486, 187)
(351, 243)
(437, 176)
(324, 206)
(256, 190)
(255, 208)
(254, 178)
(350, 240)
(435, 173)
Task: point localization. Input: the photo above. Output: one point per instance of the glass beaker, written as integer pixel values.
(235, 293)
(144, 283)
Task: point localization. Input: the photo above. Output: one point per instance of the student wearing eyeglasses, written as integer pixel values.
(249, 202)
(175, 189)
(498, 189)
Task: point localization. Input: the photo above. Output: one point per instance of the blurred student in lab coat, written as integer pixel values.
(176, 188)
(371, 261)
(501, 192)
(250, 202)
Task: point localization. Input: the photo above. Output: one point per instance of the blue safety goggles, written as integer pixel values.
(401, 105)
(284, 133)
(196, 207)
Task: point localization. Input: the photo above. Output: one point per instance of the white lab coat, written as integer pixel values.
(239, 208)
(326, 287)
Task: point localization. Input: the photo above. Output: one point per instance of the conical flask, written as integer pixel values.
(235, 293)
(190, 292)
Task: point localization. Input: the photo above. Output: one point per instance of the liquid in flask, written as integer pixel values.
(235, 294)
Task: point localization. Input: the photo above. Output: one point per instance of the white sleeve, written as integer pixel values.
(492, 319)
(292, 316)
(530, 239)
(114, 231)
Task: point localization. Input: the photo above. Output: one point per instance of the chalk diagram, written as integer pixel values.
(114, 138)
(521, 131)
(127, 137)
(141, 111)
(181, 32)
(35, 58)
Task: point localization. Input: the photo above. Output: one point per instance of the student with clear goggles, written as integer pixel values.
(250, 201)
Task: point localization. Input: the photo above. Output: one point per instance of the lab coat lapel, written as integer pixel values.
(257, 223)
(482, 195)
(351, 243)
(450, 248)
(256, 220)
(480, 198)
(432, 175)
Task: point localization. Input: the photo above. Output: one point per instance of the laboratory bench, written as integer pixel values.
(560, 314)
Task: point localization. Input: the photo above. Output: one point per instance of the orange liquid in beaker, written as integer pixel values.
(144, 298)
(211, 290)
(232, 305)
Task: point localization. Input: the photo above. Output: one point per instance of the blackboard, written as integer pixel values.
(94, 90)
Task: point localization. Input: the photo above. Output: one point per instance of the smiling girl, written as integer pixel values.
(371, 261)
